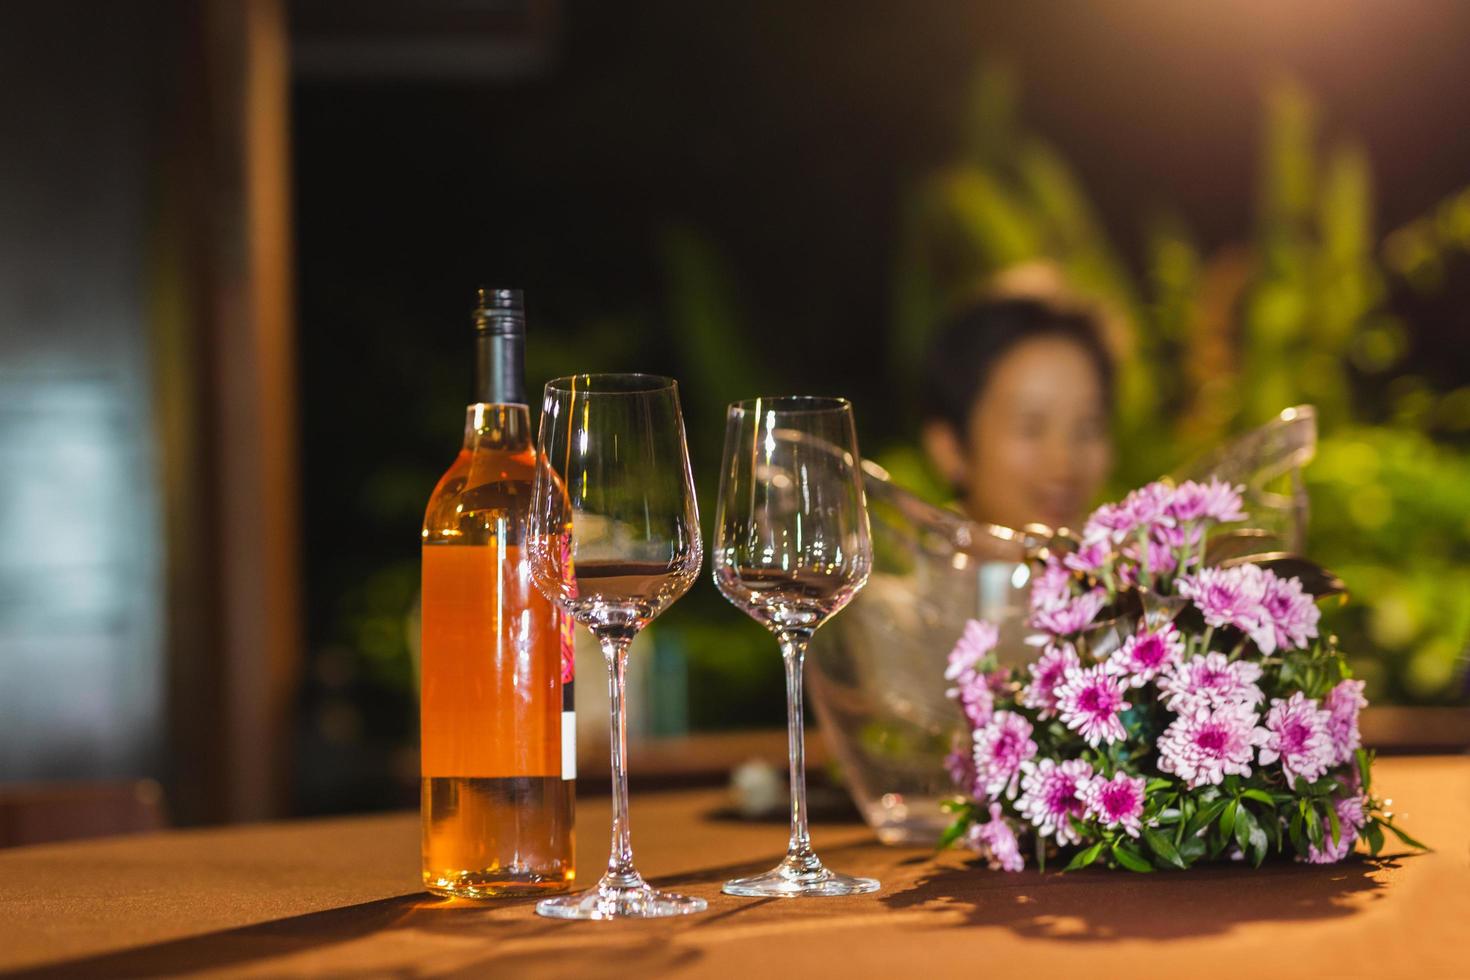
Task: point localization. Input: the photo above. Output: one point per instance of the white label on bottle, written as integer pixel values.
(568, 745)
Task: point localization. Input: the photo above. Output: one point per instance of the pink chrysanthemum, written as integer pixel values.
(1213, 501)
(1290, 613)
(1204, 744)
(1071, 618)
(960, 764)
(1351, 818)
(976, 698)
(1089, 702)
(1160, 558)
(1343, 703)
(1211, 680)
(1228, 596)
(1146, 654)
(1116, 802)
(1094, 554)
(1112, 521)
(1298, 736)
(1049, 796)
(1149, 505)
(1047, 671)
(996, 840)
(1051, 588)
(1001, 748)
(977, 640)
(1179, 536)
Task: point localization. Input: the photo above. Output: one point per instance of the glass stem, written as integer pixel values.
(793, 652)
(620, 870)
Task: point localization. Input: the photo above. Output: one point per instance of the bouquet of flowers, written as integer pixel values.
(1183, 706)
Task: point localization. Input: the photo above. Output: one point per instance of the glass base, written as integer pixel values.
(610, 901)
(794, 878)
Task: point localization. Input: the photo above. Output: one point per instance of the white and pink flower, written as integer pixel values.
(996, 841)
(1149, 505)
(1072, 617)
(1205, 744)
(1213, 501)
(1228, 596)
(1351, 818)
(1297, 735)
(977, 640)
(1052, 587)
(1090, 702)
(1211, 680)
(1116, 802)
(1291, 613)
(1092, 557)
(1050, 796)
(1001, 748)
(976, 698)
(1111, 521)
(1343, 703)
(1146, 654)
(1047, 672)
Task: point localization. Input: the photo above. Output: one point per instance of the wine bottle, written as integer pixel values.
(498, 734)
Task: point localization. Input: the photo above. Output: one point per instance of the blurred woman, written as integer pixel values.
(1016, 398)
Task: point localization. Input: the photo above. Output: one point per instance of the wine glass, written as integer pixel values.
(791, 549)
(614, 538)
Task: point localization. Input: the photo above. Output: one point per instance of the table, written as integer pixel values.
(338, 897)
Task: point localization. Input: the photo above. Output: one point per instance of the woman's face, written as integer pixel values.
(1038, 448)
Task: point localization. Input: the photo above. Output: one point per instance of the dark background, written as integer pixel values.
(239, 241)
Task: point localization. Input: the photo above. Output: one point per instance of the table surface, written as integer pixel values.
(339, 898)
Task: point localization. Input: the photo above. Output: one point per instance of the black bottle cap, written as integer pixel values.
(500, 311)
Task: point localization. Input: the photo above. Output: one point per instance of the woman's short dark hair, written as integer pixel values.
(966, 349)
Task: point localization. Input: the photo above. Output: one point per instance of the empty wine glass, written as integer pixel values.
(614, 537)
(791, 549)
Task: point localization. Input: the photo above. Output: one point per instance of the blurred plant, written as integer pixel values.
(1209, 345)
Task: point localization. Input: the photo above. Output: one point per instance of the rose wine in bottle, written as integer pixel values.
(497, 729)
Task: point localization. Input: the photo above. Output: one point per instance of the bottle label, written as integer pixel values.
(491, 697)
(568, 745)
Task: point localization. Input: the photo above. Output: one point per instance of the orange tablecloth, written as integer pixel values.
(339, 898)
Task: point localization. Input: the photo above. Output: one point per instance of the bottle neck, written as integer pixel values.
(500, 369)
(497, 426)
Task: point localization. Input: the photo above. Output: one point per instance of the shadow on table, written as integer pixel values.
(459, 938)
(416, 929)
(1102, 905)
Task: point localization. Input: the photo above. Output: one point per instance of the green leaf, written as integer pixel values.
(1129, 858)
(1298, 842)
(1314, 826)
(1192, 849)
(1332, 819)
(1245, 822)
(953, 832)
(1084, 858)
(1365, 770)
(1205, 816)
(1260, 796)
(1374, 834)
(1163, 847)
(1272, 826)
(1154, 785)
(1405, 837)
(1227, 819)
